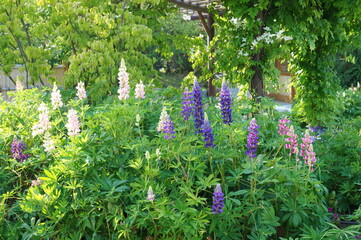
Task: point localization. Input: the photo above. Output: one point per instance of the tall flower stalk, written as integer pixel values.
(123, 78)
(198, 107)
(207, 132)
(282, 127)
(307, 152)
(226, 102)
(139, 90)
(187, 104)
(73, 124)
(292, 142)
(44, 122)
(252, 139)
(162, 119)
(166, 125)
(17, 150)
(56, 97)
(81, 93)
(218, 200)
(168, 128)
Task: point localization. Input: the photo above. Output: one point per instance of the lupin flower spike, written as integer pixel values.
(207, 132)
(198, 106)
(218, 200)
(226, 102)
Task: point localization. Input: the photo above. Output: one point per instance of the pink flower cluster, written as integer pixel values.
(283, 129)
(73, 124)
(123, 78)
(292, 141)
(44, 122)
(81, 93)
(56, 97)
(307, 153)
(139, 90)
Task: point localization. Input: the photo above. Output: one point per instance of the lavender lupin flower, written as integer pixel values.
(150, 194)
(187, 104)
(226, 104)
(207, 132)
(198, 106)
(218, 200)
(168, 128)
(17, 148)
(252, 140)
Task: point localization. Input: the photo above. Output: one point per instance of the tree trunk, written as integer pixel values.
(257, 81)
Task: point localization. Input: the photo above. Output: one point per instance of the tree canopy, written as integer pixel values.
(251, 35)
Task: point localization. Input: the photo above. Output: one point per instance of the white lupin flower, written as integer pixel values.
(56, 97)
(81, 93)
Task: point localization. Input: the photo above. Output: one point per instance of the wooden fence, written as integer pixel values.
(7, 85)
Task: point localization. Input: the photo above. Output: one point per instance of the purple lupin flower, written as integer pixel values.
(168, 128)
(218, 200)
(252, 139)
(198, 106)
(226, 104)
(187, 104)
(17, 148)
(207, 132)
(358, 236)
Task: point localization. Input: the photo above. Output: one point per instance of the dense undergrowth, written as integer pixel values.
(94, 185)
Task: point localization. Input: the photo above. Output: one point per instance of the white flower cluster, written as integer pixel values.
(269, 37)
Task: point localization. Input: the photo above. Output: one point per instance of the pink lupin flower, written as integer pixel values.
(123, 78)
(56, 97)
(73, 124)
(292, 141)
(283, 129)
(139, 90)
(44, 122)
(36, 182)
(81, 93)
(307, 152)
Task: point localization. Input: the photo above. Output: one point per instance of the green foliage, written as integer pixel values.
(348, 69)
(94, 185)
(340, 165)
(252, 34)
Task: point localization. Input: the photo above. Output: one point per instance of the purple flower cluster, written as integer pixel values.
(17, 148)
(168, 128)
(198, 106)
(207, 132)
(218, 200)
(252, 140)
(226, 104)
(187, 104)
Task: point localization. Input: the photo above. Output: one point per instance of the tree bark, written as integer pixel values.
(257, 81)
(211, 89)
